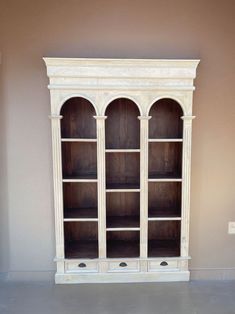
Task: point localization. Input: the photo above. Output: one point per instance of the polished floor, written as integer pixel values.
(155, 298)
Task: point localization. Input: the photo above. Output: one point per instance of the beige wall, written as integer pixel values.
(30, 30)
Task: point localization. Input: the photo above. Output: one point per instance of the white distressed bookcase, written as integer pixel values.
(121, 141)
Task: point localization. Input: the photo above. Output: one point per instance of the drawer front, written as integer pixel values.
(123, 266)
(163, 265)
(82, 266)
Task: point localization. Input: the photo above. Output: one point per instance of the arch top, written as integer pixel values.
(71, 97)
(167, 97)
(124, 97)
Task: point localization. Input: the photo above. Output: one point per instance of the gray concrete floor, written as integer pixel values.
(154, 298)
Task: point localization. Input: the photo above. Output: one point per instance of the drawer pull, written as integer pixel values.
(164, 263)
(82, 265)
(123, 264)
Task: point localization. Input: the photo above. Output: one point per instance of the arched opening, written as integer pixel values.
(79, 168)
(122, 129)
(166, 119)
(165, 174)
(78, 121)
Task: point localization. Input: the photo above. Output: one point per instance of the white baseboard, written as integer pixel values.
(212, 274)
(27, 276)
(201, 274)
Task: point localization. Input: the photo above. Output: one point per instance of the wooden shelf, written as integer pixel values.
(122, 249)
(164, 179)
(165, 140)
(122, 222)
(81, 249)
(80, 213)
(79, 140)
(163, 248)
(163, 214)
(82, 178)
(122, 150)
(123, 188)
(164, 218)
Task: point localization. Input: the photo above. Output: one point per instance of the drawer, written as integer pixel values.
(163, 265)
(123, 266)
(81, 266)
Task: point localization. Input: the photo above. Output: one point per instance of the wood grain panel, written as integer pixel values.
(122, 127)
(164, 199)
(166, 121)
(79, 160)
(78, 121)
(165, 160)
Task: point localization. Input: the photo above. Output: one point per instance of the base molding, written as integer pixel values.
(166, 276)
(212, 273)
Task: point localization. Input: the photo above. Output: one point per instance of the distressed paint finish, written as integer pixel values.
(101, 81)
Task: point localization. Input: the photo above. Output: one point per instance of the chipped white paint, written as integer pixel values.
(101, 81)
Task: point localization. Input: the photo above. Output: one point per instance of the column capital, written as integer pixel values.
(144, 117)
(55, 116)
(100, 117)
(188, 118)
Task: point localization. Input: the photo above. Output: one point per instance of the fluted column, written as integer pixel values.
(100, 126)
(144, 124)
(186, 175)
(58, 189)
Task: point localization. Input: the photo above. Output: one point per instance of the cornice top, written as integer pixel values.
(121, 68)
(120, 62)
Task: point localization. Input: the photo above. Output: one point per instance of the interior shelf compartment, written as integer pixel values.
(80, 213)
(121, 244)
(164, 238)
(165, 160)
(78, 120)
(166, 119)
(79, 160)
(164, 199)
(122, 170)
(122, 210)
(81, 239)
(80, 200)
(122, 126)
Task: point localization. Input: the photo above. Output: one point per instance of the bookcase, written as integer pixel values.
(121, 143)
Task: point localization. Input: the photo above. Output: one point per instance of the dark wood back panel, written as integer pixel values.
(166, 119)
(165, 160)
(78, 121)
(79, 160)
(122, 126)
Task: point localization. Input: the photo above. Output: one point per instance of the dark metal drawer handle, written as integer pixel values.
(123, 264)
(164, 263)
(82, 265)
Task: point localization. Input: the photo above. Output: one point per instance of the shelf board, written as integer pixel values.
(88, 140)
(122, 249)
(124, 229)
(164, 180)
(164, 140)
(116, 222)
(163, 214)
(80, 178)
(81, 249)
(163, 248)
(80, 214)
(163, 218)
(122, 150)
